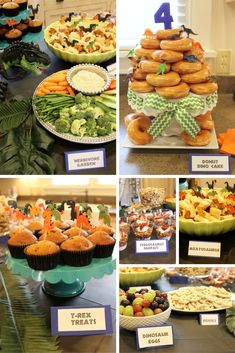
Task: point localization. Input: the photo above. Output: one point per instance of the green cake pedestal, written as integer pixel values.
(63, 281)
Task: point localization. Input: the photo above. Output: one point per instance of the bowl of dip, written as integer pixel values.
(88, 79)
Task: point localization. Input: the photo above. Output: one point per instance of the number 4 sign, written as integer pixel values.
(163, 15)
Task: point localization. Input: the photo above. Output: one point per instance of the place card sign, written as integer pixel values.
(77, 321)
(179, 280)
(210, 164)
(154, 337)
(152, 246)
(204, 249)
(83, 160)
(209, 319)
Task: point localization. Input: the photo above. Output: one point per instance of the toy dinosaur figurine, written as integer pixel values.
(229, 188)
(161, 69)
(211, 186)
(34, 10)
(188, 31)
(23, 57)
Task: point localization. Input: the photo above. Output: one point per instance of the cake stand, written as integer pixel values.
(63, 281)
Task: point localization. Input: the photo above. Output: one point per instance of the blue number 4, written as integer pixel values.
(163, 15)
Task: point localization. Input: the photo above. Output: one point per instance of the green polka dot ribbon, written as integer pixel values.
(183, 111)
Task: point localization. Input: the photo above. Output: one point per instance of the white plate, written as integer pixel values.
(172, 142)
(197, 311)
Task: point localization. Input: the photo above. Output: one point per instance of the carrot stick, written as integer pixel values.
(71, 91)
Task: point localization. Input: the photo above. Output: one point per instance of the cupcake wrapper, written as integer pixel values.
(43, 262)
(10, 12)
(23, 6)
(77, 258)
(35, 29)
(10, 40)
(102, 251)
(17, 251)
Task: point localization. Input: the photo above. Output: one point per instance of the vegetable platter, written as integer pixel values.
(74, 116)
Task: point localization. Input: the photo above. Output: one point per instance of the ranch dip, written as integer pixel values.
(86, 80)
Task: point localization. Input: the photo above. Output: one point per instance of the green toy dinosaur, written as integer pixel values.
(23, 57)
(161, 70)
(211, 186)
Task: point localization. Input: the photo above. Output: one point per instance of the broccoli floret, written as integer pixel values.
(76, 127)
(73, 110)
(81, 101)
(79, 115)
(62, 125)
(102, 121)
(98, 112)
(89, 114)
(101, 131)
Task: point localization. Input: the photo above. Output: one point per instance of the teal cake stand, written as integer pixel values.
(63, 281)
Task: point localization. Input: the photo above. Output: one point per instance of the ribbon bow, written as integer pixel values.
(181, 111)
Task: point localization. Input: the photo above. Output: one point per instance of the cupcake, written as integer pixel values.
(21, 230)
(103, 228)
(43, 255)
(104, 244)
(18, 242)
(72, 232)
(35, 227)
(23, 28)
(35, 26)
(123, 238)
(55, 235)
(13, 35)
(77, 251)
(25, 21)
(60, 224)
(165, 232)
(22, 4)
(10, 9)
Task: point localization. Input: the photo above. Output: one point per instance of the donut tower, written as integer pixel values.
(169, 74)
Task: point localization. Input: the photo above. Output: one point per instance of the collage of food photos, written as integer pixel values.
(117, 176)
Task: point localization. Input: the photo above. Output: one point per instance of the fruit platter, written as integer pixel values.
(68, 113)
(83, 39)
(143, 308)
(207, 211)
(171, 92)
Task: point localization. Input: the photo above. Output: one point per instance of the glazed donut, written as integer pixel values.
(169, 34)
(202, 139)
(130, 117)
(197, 77)
(151, 66)
(204, 122)
(179, 91)
(150, 43)
(144, 53)
(183, 44)
(137, 131)
(133, 61)
(168, 56)
(138, 74)
(197, 51)
(203, 88)
(140, 86)
(167, 80)
(186, 67)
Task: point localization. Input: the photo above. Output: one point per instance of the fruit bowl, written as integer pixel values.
(131, 323)
(130, 279)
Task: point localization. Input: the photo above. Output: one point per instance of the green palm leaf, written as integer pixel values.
(22, 325)
(14, 113)
(24, 150)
